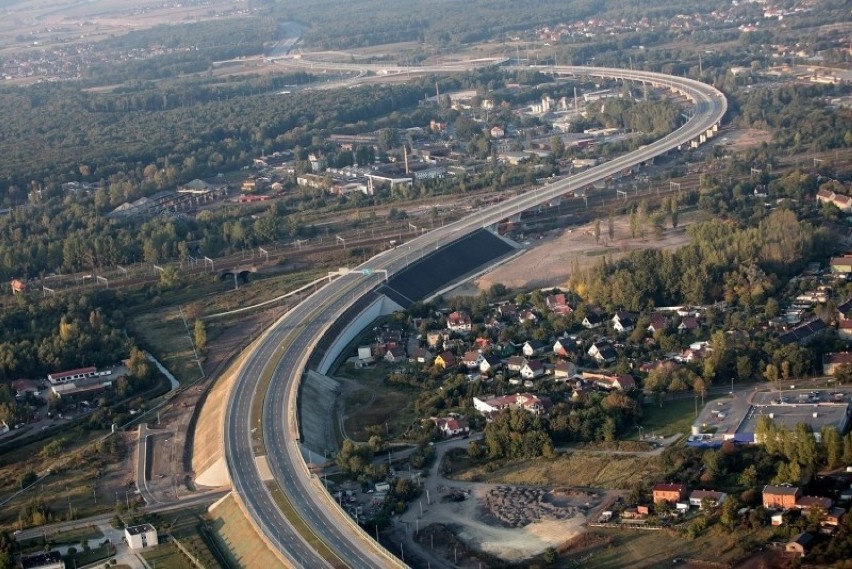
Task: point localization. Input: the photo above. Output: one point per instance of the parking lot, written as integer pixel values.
(736, 417)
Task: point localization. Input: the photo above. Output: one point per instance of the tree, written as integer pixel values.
(806, 449)
(634, 224)
(200, 334)
(729, 515)
(748, 477)
(597, 230)
(833, 445)
(170, 277)
(28, 478)
(673, 211)
(743, 368)
(610, 227)
(771, 309)
(549, 556)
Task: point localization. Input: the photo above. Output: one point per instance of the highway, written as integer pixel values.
(289, 342)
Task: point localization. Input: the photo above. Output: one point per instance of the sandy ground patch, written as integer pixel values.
(742, 138)
(548, 262)
(511, 544)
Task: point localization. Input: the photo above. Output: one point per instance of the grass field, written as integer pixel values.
(162, 330)
(167, 556)
(647, 549)
(375, 403)
(674, 417)
(577, 469)
(237, 537)
(69, 488)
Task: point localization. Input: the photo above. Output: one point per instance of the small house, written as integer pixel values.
(800, 545)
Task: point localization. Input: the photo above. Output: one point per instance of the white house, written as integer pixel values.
(622, 322)
(515, 363)
(451, 426)
(532, 348)
(564, 347)
(697, 498)
(490, 363)
(527, 401)
(141, 536)
(564, 370)
(532, 369)
(472, 359)
(592, 320)
(459, 322)
(603, 353)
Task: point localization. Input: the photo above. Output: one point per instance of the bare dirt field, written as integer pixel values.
(33, 24)
(548, 262)
(742, 138)
(474, 523)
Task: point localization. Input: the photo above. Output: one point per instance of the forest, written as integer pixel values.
(448, 23)
(722, 260)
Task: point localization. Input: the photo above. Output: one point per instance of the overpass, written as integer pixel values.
(282, 354)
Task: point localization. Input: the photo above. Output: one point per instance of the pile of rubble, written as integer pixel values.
(517, 507)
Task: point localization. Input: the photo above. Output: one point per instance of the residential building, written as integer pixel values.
(490, 363)
(688, 324)
(564, 347)
(459, 321)
(564, 370)
(780, 496)
(451, 426)
(806, 503)
(834, 516)
(533, 369)
(800, 545)
(841, 265)
(421, 356)
(844, 329)
(623, 322)
(527, 316)
(472, 359)
(395, 355)
(698, 498)
(532, 348)
(624, 382)
(527, 401)
(558, 304)
(18, 286)
(658, 323)
(515, 363)
(832, 361)
(436, 338)
(445, 359)
(592, 320)
(671, 493)
(141, 536)
(508, 311)
(603, 353)
(667, 492)
(842, 202)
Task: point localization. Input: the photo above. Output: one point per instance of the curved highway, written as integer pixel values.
(288, 344)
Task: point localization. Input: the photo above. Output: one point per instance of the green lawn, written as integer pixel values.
(376, 402)
(672, 418)
(167, 556)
